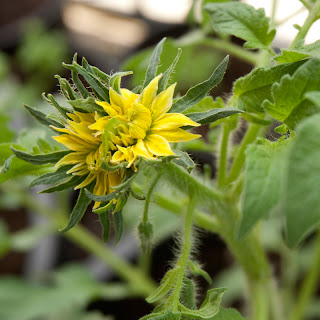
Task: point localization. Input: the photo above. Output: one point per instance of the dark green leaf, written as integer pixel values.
(302, 201)
(52, 177)
(103, 76)
(115, 80)
(50, 99)
(42, 118)
(105, 223)
(188, 294)
(212, 115)
(153, 64)
(85, 105)
(289, 103)
(118, 225)
(6, 166)
(263, 181)
(198, 92)
(66, 89)
(38, 159)
(243, 21)
(163, 83)
(250, 91)
(78, 210)
(75, 79)
(71, 183)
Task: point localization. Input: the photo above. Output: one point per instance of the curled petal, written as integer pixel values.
(177, 135)
(172, 121)
(150, 92)
(158, 145)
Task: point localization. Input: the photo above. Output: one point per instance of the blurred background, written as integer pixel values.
(36, 36)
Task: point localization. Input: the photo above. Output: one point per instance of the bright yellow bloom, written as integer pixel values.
(135, 126)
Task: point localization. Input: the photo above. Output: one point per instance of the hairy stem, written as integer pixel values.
(309, 285)
(148, 197)
(239, 160)
(185, 253)
(223, 155)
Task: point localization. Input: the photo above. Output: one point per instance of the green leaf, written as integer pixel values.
(228, 314)
(115, 80)
(105, 223)
(153, 64)
(263, 181)
(302, 202)
(243, 21)
(299, 52)
(52, 177)
(6, 166)
(184, 160)
(198, 92)
(42, 118)
(314, 97)
(85, 105)
(50, 99)
(253, 118)
(167, 315)
(289, 102)
(118, 225)
(66, 89)
(210, 306)
(212, 115)
(250, 91)
(166, 285)
(38, 159)
(188, 294)
(78, 210)
(75, 79)
(163, 83)
(207, 104)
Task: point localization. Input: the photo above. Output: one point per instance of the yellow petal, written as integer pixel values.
(118, 157)
(77, 168)
(86, 181)
(172, 121)
(117, 100)
(139, 149)
(85, 116)
(101, 187)
(74, 143)
(158, 145)
(112, 110)
(100, 124)
(115, 178)
(177, 135)
(162, 103)
(150, 92)
(72, 158)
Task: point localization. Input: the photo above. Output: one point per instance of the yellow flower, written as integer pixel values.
(142, 127)
(134, 126)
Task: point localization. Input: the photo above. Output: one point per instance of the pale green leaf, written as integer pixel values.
(243, 21)
(289, 103)
(263, 180)
(251, 90)
(302, 202)
(228, 314)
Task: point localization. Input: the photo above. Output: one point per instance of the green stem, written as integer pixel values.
(138, 281)
(239, 160)
(309, 285)
(198, 37)
(312, 17)
(148, 197)
(223, 155)
(185, 253)
(290, 16)
(306, 4)
(274, 11)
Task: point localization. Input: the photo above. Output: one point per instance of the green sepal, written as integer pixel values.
(52, 177)
(104, 208)
(136, 196)
(163, 82)
(40, 158)
(184, 160)
(253, 118)
(86, 65)
(77, 82)
(85, 105)
(105, 224)
(70, 183)
(198, 92)
(66, 88)
(42, 118)
(58, 118)
(212, 115)
(105, 166)
(100, 90)
(197, 270)
(118, 225)
(6, 166)
(103, 76)
(78, 210)
(50, 99)
(153, 64)
(137, 89)
(121, 202)
(166, 285)
(145, 232)
(209, 307)
(115, 80)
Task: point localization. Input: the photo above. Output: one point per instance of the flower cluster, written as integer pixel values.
(131, 126)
